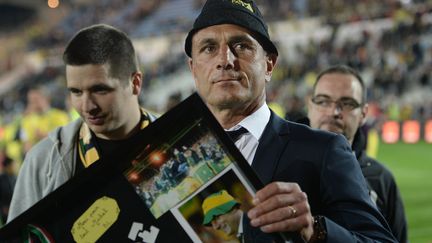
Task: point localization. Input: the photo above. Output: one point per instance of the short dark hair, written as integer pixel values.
(103, 44)
(343, 69)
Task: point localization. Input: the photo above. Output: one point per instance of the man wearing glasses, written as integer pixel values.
(339, 105)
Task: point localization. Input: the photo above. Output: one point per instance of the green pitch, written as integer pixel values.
(411, 165)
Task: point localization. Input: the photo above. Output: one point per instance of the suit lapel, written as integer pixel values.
(271, 145)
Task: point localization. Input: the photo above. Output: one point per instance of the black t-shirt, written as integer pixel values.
(110, 148)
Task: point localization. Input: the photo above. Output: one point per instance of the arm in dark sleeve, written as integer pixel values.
(349, 213)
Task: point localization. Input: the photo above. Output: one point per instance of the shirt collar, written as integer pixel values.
(256, 122)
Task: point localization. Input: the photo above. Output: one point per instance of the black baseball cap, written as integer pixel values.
(244, 13)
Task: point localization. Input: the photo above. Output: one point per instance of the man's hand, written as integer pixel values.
(282, 207)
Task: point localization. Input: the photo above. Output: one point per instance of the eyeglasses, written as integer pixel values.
(344, 104)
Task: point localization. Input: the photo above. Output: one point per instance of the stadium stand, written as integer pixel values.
(390, 43)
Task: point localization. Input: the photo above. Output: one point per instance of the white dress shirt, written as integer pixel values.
(255, 124)
(248, 143)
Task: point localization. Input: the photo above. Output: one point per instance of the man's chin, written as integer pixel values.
(96, 127)
(99, 130)
(225, 101)
(228, 231)
(332, 128)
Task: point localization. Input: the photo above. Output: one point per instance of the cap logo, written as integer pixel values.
(248, 6)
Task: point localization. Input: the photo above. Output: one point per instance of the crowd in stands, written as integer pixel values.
(395, 61)
(122, 13)
(331, 10)
(130, 15)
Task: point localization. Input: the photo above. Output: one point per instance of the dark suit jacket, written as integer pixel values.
(324, 166)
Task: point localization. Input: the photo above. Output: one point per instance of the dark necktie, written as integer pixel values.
(241, 238)
(235, 135)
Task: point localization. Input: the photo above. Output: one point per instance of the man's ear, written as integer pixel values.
(136, 83)
(190, 63)
(309, 105)
(271, 62)
(191, 68)
(364, 112)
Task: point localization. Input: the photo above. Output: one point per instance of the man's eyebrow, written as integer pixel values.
(207, 41)
(322, 95)
(347, 98)
(240, 38)
(100, 87)
(94, 87)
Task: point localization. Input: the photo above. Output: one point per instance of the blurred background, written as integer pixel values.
(388, 41)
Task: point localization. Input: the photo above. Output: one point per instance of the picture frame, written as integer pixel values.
(170, 188)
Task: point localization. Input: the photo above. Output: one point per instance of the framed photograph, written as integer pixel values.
(215, 212)
(184, 182)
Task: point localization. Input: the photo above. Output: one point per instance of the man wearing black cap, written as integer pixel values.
(313, 184)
